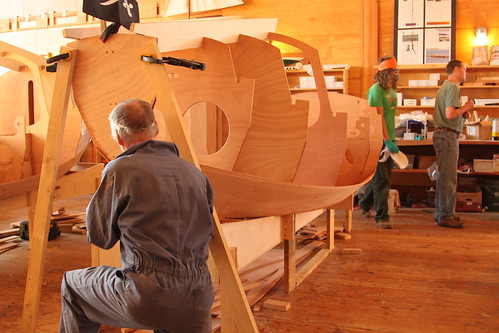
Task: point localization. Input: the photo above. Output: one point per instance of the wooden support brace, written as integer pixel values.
(288, 226)
(347, 206)
(310, 265)
(330, 230)
(48, 176)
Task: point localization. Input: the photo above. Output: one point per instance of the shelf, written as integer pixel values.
(313, 89)
(442, 67)
(294, 78)
(324, 71)
(425, 171)
(429, 142)
(432, 107)
(437, 87)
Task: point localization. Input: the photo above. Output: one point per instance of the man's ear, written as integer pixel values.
(118, 138)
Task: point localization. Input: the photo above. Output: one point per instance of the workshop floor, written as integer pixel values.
(414, 278)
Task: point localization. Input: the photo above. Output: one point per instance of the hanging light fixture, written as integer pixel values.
(481, 36)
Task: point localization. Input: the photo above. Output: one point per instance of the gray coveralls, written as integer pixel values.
(159, 206)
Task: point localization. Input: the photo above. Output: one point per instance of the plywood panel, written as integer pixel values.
(217, 84)
(96, 70)
(276, 139)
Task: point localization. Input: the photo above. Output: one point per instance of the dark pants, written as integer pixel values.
(446, 146)
(378, 191)
(177, 300)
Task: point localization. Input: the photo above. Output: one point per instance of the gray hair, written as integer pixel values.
(134, 121)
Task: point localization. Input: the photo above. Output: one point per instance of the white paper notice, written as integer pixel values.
(437, 46)
(410, 14)
(410, 47)
(438, 13)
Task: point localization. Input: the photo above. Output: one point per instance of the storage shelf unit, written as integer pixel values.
(340, 74)
(417, 180)
(470, 88)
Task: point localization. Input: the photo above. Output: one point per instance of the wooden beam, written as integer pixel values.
(330, 230)
(369, 44)
(46, 188)
(288, 235)
(310, 265)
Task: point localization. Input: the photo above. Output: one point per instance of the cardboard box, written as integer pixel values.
(307, 82)
(410, 102)
(480, 165)
(393, 201)
(399, 99)
(435, 76)
(428, 101)
(469, 201)
(481, 130)
(424, 162)
(409, 136)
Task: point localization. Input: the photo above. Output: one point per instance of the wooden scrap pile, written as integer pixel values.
(70, 223)
(261, 275)
(310, 232)
(9, 239)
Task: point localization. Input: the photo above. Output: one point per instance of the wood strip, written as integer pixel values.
(38, 239)
(310, 265)
(9, 232)
(10, 238)
(7, 246)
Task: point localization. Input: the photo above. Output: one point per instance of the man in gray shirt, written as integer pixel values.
(449, 116)
(160, 209)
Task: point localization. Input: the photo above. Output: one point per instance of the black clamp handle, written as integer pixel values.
(53, 60)
(58, 57)
(192, 64)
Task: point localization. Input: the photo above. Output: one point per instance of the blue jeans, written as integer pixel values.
(446, 146)
(378, 190)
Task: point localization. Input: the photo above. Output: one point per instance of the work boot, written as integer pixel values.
(367, 214)
(450, 222)
(384, 224)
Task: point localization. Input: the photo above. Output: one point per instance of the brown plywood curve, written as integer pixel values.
(105, 75)
(275, 141)
(326, 137)
(217, 84)
(246, 195)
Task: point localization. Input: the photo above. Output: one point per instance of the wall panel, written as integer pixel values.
(470, 14)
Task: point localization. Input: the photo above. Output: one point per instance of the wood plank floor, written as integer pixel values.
(415, 278)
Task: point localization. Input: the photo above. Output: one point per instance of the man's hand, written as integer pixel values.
(392, 146)
(468, 106)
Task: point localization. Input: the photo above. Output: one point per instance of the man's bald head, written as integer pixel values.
(133, 120)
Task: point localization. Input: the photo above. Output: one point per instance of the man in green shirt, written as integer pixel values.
(383, 96)
(449, 117)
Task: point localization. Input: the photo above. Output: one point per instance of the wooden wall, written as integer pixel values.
(344, 31)
(339, 29)
(470, 14)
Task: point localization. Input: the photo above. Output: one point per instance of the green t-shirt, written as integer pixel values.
(377, 96)
(448, 95)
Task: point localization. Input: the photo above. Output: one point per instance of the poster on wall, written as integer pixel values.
(437, 46)
(424, 31)
(410, 50)
(411, 14)
(438, 13)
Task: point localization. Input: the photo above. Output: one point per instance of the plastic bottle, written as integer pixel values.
(495, 129)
